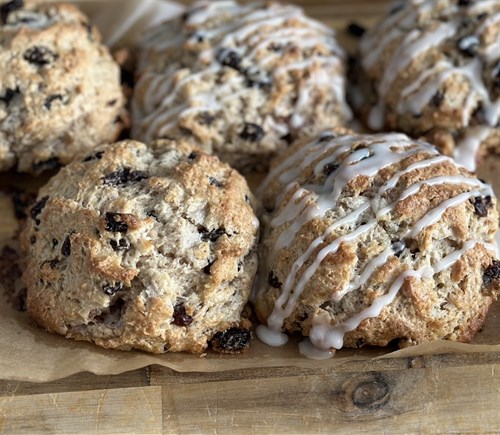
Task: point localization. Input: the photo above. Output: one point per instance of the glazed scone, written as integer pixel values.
(151, 248)
(60, 90)
(432, 68)
(377, 238)
(240, 81)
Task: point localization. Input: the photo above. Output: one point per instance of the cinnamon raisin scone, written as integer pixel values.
(151, 248)
(432, 68)
(240, 81)
(60, 89)
(376, 238)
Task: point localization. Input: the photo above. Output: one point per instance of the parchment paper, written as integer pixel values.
(28, 353)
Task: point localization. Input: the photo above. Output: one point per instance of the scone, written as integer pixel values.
(151, 248)
(240, 81)
(432, 68)
(60, 90)
(371, 239)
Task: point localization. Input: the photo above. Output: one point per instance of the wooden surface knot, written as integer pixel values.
(370, 392)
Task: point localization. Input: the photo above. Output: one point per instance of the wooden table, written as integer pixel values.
(429, 394)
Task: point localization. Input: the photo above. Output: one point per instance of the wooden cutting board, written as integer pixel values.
(426, 394)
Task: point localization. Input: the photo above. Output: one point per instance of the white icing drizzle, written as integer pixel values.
(466, 150)
(165, 101)
(306, 203)
(307, 349)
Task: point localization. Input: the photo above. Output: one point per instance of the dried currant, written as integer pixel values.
(120, 245)
(273, 281)
(9, 7)
(230, 58)
(398, 247)
(39, 55)
(356, 30)
(115, 223)
(469, 45)
(111, 289)
(492, 273)
(37, 209)
(232, 340)
(66, 247)
(210, 236)
(124, 176)
(330, 168)
(207, 268)
(252, 132)
(51, 98)
(481, 205)
(437, 99)
(180, 316)
(9, 95)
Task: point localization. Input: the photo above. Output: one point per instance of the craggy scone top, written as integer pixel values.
(432, 67)
(372, 238)
(142, 247)
(240, 81)
(60, 89)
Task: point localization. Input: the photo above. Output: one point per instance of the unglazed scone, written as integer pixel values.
(240, 81)
(152, 248)
(60, 90)
(432, 68)
(370, 239)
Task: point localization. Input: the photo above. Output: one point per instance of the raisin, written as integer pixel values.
(356, 30)
(232, 340)
(39, 55)
(330, 168)
(206, 118)
(210, 236)
(127, 77)
(481, 205)
(97, 156)
(491, 273)
(469, 45)
(192, 156)
(252, 132)
(46, 165)
(66, 247)
(111, 289)
(398, 247)
(288, 138)
(230, 58)
(51, 98)
(115, 224)
(121, 245)
(37, 209)
(207, 268)
(53, 263)
(9, 7)
(214, 182)
(359, 343)
(124, 176)
(9, 95)
(437, 99)
(180, 316)
(273, 281)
